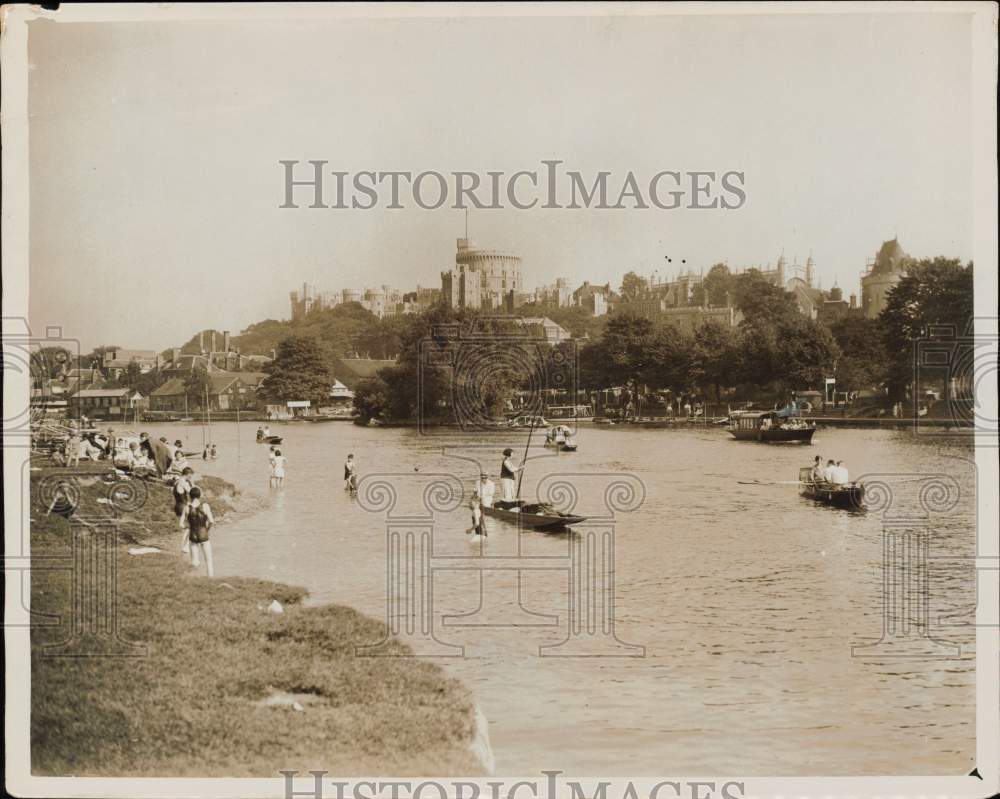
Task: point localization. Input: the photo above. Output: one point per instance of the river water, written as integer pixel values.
(750, 633)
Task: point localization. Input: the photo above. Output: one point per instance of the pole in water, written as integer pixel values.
(524, 460)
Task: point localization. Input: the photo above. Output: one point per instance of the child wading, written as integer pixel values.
(350, 474)
(198, 518)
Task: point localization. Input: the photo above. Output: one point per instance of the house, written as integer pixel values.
(77, 379)
(227, 391)
(541, 327)
(116, 362)
(102, 403)
(351, 371)
(594, 298)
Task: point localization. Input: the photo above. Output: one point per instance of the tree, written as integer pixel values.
(864, 361)
(371, 398)
(714, 357)
(718, 285)
(300, 371)
(131, 375)
(806, 352)
(671, 359)
(196, 386)
(933, 300)
(50, 362)
(633, 286)
(626, 350)
(756, 297)
(95, 358)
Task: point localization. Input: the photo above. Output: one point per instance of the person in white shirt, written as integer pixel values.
(278, 469)
(841, 476)
(485, 489)
(350, 474)
(828, 471)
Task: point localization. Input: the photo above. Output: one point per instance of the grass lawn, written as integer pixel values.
(193, 704)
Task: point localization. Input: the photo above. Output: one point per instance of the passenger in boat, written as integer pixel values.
(204, 453)
(840, 475)
(267, 431)
(260, 433)
(508, 471)
(828, 471)
(214, 452)
(817, 469)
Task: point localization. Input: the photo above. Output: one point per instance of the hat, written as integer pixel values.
(508, 451)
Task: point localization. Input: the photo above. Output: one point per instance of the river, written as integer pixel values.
(744, 614)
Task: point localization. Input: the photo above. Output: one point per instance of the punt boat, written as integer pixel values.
(539, 517)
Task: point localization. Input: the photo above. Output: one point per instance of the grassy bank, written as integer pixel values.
(194, 703)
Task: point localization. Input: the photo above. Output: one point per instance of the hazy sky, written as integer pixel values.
(155, 184)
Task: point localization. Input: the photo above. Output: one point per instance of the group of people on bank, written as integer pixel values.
(150, 458)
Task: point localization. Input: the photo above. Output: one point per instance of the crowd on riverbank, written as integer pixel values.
(223, 687)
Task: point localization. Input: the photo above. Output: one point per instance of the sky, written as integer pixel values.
(155, 184)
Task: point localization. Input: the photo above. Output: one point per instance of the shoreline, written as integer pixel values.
(204, 678)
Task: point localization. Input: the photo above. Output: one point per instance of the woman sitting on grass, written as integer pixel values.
(197, 517)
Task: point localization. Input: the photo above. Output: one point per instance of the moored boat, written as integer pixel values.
(269, 440)
(539, 517)
(770, 428)
(850, 496)
(527, 422)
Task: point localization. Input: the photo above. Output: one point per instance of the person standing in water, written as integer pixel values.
(478, 528)
(278, 469)
(485, 489)
(508, 471)
(350, 474)
(199, 520)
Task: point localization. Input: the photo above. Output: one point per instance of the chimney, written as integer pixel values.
(225, 340)
(201, 342)
(854, 300)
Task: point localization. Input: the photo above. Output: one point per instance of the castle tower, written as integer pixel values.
(810, 269)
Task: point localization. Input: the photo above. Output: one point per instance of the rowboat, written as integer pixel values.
(850, 496)
(560, 438)
(561, 446)
(529, 516)
(770, 428)
(269, 440)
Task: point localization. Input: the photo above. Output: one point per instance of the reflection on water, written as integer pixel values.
(743, 601)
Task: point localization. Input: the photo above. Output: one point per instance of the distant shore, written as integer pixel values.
(203, 679)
